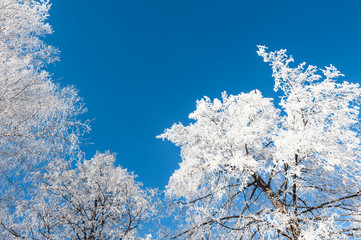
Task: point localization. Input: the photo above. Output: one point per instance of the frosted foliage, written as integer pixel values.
(37, 117)
(320, 115)
(217, 125)
(94, 201)
(252, 171)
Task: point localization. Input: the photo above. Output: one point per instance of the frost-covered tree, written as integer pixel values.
(96, 200)
(250, 170)
(37, 116)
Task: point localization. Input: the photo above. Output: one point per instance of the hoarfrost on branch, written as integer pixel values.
(250, 170)
(96, 200)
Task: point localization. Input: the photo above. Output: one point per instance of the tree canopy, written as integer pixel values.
(251, 170)
(38, 117)
(41, 196)
(96, 200)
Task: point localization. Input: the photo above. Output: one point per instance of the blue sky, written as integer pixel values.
(141, 65)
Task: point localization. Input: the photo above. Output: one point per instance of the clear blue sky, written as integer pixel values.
(141, 65)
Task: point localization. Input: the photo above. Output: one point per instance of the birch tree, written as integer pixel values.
(251, 170)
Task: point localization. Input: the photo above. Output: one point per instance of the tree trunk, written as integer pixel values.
(292, 226)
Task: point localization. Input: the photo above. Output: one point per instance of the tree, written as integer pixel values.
(94, 201)
(250, 170)
(42, 197)
(38, 118)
